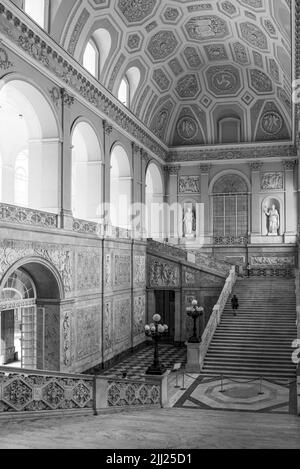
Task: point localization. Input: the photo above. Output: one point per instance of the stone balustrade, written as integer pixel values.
(27, 216)
(31, 391)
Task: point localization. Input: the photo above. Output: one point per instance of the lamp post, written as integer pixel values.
(156, 330)
(194, 312)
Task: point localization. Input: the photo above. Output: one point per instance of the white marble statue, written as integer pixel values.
(188, 222)
(274, 220)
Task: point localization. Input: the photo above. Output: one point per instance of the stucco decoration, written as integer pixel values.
(161, 79)
(192, 57)
(122, 321)
(122, 269)
(88, 319)
(254, 36)
(139, 315)
(201, 28)
(230, 184)
(135, 11)
(139, 270)
(189, 184)
(272, 261)
(188, 87)
(260, 82)
(108, 327)
(223, 80)
(272, 180)
(162, 273)
(162, 45)
(88, 269)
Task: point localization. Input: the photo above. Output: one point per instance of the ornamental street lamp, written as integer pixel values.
(156, 330)
(194, 312)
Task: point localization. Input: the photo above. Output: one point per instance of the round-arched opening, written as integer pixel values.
(120, 188)
(154, 202)
(29, 148)
(30, 296)
(230, 209)
(86, 172)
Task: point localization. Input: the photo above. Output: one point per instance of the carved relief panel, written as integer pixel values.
(88, 327)
(163, 273)
(139, 315)
(88, 269)
(139, 270)
(122, 321)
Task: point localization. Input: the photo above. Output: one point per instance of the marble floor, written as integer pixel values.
(155, 429)
(240, 395)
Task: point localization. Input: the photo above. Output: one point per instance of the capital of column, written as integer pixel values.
(256, 165)
(108, 128)
(205, 168)
(289, 165)
(172, 170)
(145, 157)
(67, 99)
(135, 148)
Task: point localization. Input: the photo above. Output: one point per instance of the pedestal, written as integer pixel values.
(193, 358)
(161, 380)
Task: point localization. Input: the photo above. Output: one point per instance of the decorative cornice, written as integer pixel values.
(216, 153)
(41, 48)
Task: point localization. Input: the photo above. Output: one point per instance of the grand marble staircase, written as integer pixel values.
(257, 342)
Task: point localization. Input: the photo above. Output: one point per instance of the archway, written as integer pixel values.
(86, 172)
(120, 188)
(30, 296)
(154, 202)
(28, 126)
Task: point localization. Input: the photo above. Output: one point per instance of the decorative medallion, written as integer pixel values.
(187, 128)
(161, 79)
(228, 8)
(224, 80)
(216, 52)
(271, 122)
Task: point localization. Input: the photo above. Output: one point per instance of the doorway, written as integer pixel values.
(165, 306)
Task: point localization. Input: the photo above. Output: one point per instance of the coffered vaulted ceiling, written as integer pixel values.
(200, 61)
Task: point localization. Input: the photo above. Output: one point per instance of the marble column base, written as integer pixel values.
(193, 358)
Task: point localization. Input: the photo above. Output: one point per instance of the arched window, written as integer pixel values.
(120, 188)
(230, 209)
(36, 9)
(124, 92)
(91, 59)
(154, 202)
(21, 179)
(86, 173)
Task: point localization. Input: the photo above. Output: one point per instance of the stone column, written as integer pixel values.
(290, 203)
(107, 131)
(255, 228)
(173, 230)
(66, 165)
(205, 200)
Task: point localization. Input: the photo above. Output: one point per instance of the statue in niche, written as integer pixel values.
(188, 223)
(274, 220)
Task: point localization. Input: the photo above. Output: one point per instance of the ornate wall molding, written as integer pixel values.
(289, 165)
(272, 181)
(189, 184)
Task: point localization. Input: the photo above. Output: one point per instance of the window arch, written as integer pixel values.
(91, 59)
(124, 92)
(21, 179)
(37, 10)
(86, 173)
(120, 188)
(230, 208)
(154, 202)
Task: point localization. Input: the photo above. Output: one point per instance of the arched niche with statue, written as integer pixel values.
(192, 220)
(272, 217)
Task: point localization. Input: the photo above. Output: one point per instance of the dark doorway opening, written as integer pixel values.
(165, 306)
